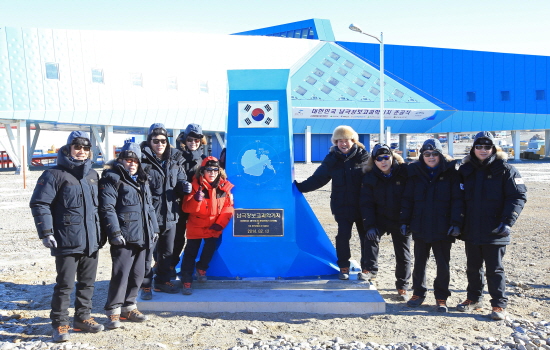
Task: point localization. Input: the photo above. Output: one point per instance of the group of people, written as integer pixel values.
(432, 201)
(146, 203)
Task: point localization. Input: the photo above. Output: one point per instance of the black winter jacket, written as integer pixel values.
(493, 193)
(166, 183)
(192, 161)
(126, 206)
(345, 172)
(65, 202)
(381, 196)
(431, 207)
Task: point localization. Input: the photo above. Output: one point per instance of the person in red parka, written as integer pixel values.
(210, 207)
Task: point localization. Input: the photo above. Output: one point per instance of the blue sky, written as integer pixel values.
(486, 25)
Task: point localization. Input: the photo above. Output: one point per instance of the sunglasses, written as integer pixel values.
(384, 157)
(212, 170)
(430, 154)
(130, 160)
(485, 147)
(157, 141)
(79, 147)
(190, 139)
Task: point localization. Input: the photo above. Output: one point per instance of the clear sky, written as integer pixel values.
(487, 25)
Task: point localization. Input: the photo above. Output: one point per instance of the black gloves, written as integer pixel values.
(502, 230)
(454, 231)
(372, 235)
(215, 227)
(405, 230)
(118, 240)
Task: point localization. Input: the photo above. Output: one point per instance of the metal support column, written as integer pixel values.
(308, 144)
(403, 145)
(388, 136)
(175, 133)
(516, 144)
(450, 143)
(547, 142)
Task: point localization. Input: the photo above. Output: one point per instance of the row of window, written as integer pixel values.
(304, 33)
(540, 95)
(136, 79)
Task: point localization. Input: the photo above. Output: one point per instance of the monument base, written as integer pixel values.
(316, 296)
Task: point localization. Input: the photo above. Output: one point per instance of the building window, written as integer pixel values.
(333, 81)
(203, 86)
(470, 96)
(172, 83)
(342, 71)
(505, 95)
(311, 34)
(52, 70)
(318, 72)
(334, 56)
(297, 33)
(374, 91)
(136, 79)
(351, 92)
(301, 90)
(311, 80)
(348, 64)
(359, 82)
(540, 95)
(398, 93)
(97, 76)
(366, 74)
(326, 89)
(327, 63)
(378, 82)
(304, 33)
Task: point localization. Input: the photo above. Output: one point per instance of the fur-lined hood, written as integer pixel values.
(335, 148)
(369, 165)
(500, 154)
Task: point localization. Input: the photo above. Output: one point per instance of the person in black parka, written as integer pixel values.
(168, 183)
(343, 166)
(191, 144)
(432, 209)
(495, 195)
(384, 180)
(64, 207)
(129, 220)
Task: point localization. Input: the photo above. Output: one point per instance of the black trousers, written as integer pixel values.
(190, 255)
(179, 240)
(164, 248)
(402, 249)
(345, 227)
(85, 269)
(492, 255)
(442, 255)
(127, 275)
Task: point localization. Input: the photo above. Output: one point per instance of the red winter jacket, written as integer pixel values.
(215, 208)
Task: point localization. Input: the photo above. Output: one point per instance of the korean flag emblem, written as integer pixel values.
(258, 114)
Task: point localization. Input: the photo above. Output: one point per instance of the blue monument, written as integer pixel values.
(274, 233)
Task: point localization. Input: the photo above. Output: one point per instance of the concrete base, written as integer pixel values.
(319, 296)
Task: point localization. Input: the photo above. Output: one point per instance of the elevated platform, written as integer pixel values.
(322, 296)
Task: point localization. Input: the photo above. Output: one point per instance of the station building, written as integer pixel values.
(122, 82)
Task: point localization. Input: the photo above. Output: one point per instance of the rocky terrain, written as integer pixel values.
(27, 275)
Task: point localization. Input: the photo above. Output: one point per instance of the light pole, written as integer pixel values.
(381, 41)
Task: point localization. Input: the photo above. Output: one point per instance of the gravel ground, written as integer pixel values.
(27, 275)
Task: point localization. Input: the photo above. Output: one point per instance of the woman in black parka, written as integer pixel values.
(168, 183)
(384, 180)
(494, 195)
(343, 166)
(128, 218)
(432, 209)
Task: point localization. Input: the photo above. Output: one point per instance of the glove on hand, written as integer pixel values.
(502, 230)
(454, 231)
(155, 237)
(372, 235)
(215, 227)
(187, 187)
(118, 240)
(49, 242)
(199, 196)
(405, 230)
